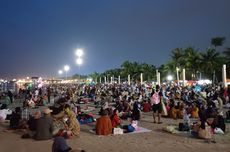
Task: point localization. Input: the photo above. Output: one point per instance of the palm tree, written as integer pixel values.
(217, 41)
(167, 69)
(177, 56)
(148, 71)
(95, 75)
(126, 68)
(131, 68)
(192, 62)
(211, 62)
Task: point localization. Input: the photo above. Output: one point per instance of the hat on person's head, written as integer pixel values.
(47, 111)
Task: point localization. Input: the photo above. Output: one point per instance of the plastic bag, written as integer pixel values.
(218, 131)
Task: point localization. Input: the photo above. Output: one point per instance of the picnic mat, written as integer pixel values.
(138, 130)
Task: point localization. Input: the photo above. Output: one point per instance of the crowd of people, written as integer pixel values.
(116, 102)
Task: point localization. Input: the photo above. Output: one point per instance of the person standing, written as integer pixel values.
(156, 104)
(48, 94)
(10, 94)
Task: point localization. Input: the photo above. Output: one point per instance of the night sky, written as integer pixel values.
(38, 37)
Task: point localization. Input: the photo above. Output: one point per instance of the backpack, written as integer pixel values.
(130, 128)
(155, 98)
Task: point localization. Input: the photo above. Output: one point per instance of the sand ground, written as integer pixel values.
(156, 140)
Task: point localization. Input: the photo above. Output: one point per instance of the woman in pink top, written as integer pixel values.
(156, 104)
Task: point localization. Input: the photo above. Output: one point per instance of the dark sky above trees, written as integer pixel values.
(38, 37)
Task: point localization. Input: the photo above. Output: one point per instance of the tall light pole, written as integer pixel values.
(66, 68)
(79, 61)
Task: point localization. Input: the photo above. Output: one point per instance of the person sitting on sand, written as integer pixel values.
(72, 123)
(116, 122)
(194, 111)
(60, 145)
(69, 120)
(103, 124)
(146, 106)
(15, 119)
(136, 112)
(204, 132)
(44, 126)
(180, 113)
(31, 125)
(219, 122)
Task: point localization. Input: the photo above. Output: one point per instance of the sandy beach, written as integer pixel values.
(157, 140)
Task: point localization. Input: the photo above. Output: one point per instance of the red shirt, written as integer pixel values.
(115, 121)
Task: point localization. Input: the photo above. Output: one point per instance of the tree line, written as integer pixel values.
(206, 64)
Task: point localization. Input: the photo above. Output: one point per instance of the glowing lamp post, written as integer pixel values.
(79, 61)
(60, 72)
(66, 68)
(79, 53)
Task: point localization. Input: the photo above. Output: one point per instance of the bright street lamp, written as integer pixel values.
(169, 78)
(79, 52)
(60, 72)
(66, 68)
(79, 61)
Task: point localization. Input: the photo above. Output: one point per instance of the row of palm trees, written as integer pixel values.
(133, 69)
(206, 64)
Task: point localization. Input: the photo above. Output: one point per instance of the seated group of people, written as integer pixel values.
(177, 112)
(43, 126)
(37, 101)
(37, 126)
(106, 124)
